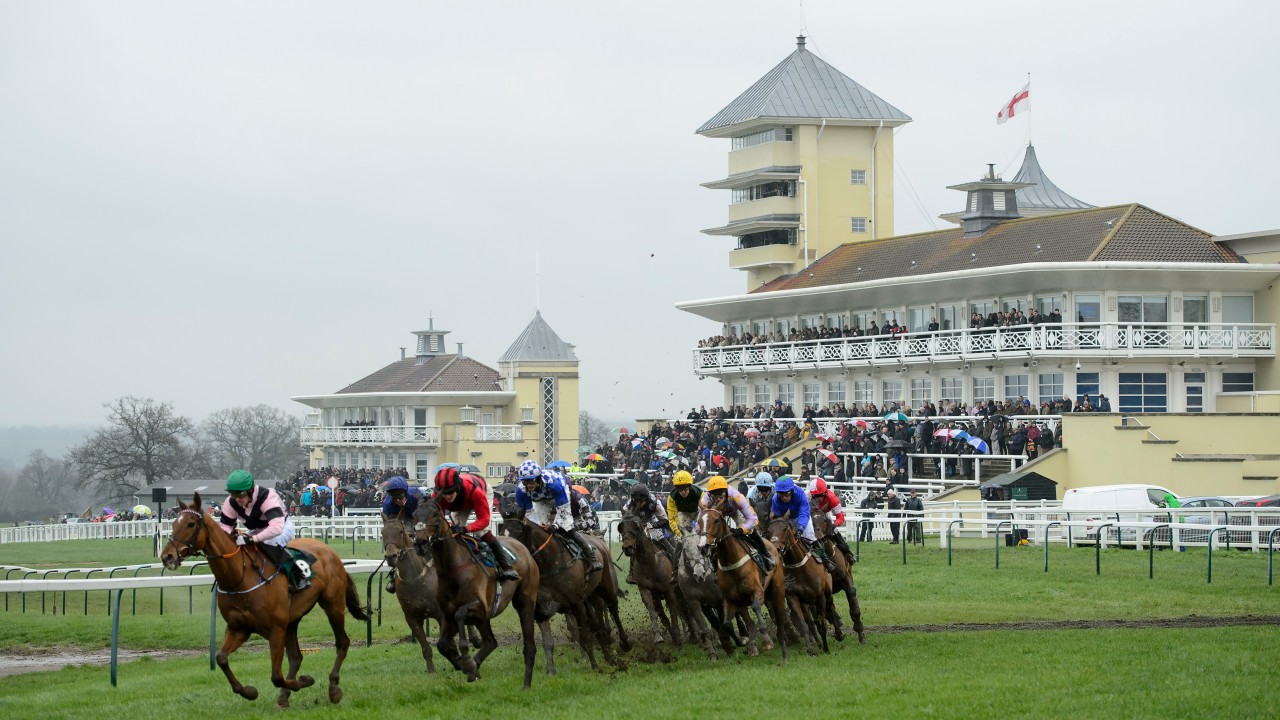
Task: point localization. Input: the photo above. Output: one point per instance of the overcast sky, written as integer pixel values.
(223, 204)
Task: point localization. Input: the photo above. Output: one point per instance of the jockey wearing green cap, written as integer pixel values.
(266, 523)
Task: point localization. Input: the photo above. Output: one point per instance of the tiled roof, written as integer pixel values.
(803, 86)
(538, 342)
(1119, 232)
(442, 373)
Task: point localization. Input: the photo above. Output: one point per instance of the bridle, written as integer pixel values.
(189, 546)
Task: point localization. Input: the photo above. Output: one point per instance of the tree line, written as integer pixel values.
(145, 442)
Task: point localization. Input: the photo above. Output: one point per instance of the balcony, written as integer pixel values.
(1106, 340)
(397, 435)
(499, 433)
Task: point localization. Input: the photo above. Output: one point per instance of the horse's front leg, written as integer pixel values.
(446, 644)
(467, 662)
(417, 627)
(646, 596)
(232, 639)
(295, 661)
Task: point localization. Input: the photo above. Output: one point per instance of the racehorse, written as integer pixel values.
(841, 578)
(415, 584)
(652, 570)
(469, 592)
(568, 587)
(253, 597)
(696, 578)
(742, 583)
(808, 582)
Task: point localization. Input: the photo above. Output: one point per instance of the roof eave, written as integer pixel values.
(745, 126)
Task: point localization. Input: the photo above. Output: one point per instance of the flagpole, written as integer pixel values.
(1028, 116)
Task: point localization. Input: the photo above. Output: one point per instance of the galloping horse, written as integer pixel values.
(469, 592)
(568, 587)
(808, 582)
(416, 586)
(841, 578)
(253, 597)
(652, 569)
(742, 583)
(696, 578)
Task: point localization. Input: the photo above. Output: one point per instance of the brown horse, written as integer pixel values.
(253, 597)
(696, 578)
(469, 592)
(841, 578)
(743, 584)
(568, 587)
(808, 582)
(652, 570)
(415, 583)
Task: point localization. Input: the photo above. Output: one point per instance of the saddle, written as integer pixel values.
(480, 551)
(569, 545)
(298, 565)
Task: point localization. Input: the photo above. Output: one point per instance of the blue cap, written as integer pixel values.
(397, 482)
(785, 484)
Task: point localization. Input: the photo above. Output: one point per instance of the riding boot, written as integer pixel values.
(588, 550)
(283, 561)
(505, 571)
(757, 542)
(820, 553)
(391, 581)
(843, 544)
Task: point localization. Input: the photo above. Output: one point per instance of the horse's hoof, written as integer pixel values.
(767, 646)
(282, 704)
(658, 639)
(335, 695)
(862, 639)
(625, 646)
(306, 681)
(249, 692)
(752, 651)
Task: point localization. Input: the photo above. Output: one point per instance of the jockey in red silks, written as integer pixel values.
(463, 494)
(825, 500)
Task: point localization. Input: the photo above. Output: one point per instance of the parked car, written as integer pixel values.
(1109, 502)
(1200, 518)
(1245, 537)
(1265, 501)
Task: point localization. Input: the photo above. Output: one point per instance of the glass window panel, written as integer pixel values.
(1050, 386)
(739, 395)
(892, 390)
(921, 389)
(762, 393)
(984, 388)
(1237, 308)
(787, 393)
(1086, 384)
(1155, 309)
(1088, 308)
(1237, 382)
(812, 394)
(1129, 308)
(1193, 377)
(952, 389)
(1195, 308)
(835, 392)
(1015, 386)
(862, 391)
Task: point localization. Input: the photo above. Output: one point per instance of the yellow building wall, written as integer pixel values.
(528, 393)
(1224, 449)
(1266, 309)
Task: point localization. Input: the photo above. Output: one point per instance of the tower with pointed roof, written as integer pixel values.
(1036, 196)
(542, 369)
(810, 166)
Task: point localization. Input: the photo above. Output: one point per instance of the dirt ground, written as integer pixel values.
(16, 662)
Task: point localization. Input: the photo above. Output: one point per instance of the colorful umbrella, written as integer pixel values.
(638, 443)
(595, 457)
(581, 489)
(860, 423)
(621, 430)
(667, 454)
(941, 432)
(559, 464)
(958, 433)
(718, 459)
(978, 444)
(662, 441)
(108, 511)
(442, 466)
(773, 463)
(827, 454)
(750, 432)
(142, 509)
(896, 417)
(820, 436)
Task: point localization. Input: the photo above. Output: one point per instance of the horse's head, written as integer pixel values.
(188, 536)
(821, 524)
(430, 524)
(395, 539)
(629, 530)
(712, 528)
(781, 531)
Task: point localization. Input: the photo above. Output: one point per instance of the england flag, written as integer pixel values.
(1020, 103)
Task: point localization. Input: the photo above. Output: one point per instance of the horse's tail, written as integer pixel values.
(353, 600)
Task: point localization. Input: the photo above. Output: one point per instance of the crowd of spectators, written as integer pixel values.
(1011, 318)
(306, 492)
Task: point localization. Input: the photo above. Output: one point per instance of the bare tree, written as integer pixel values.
(44, 483)
(144, 442)
(592, 430)
(260, 439)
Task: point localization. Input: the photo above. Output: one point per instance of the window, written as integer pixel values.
(739, 395)
(862, 392)
(1237, 308)
(762, 393)
(918, 319)
(486, 418)
(810, 322)
(1194, 382)
(764, 238)
(1142, 308)
(982, 307)
(1087, 384)
(812, 394)
(861, 320)
(1050, 387)
(857, 177)
(1015, 386)
(889, 317)
(1022, 304)
(1237, 382)
(949, 316)
(787, 393)
(858, 224)
(782, 326)
(1195, 308)
(921, 389)
(467, 414)
(1046, 304)
(1144, 392)
(767, 190)
(526, 414)
(984, 389)
(737, 328)
(759, 328)
(1088, 308)
(952, 389)
(835, 322)
(497, 470)
(835, 392)
(973, 202)
(781, 134)
(892, 390)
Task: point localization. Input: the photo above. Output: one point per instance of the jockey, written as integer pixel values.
(544, 497)
(761, 495)
(463, 494)
(823, 499)
(266, 523)
(786, 499)
(731, 503)
(400, 502)
(682, 504)
(650, 512)
(584, 518)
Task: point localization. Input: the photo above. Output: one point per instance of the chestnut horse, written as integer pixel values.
(652, 570)
(841, 578)
(469, 593)
(743, 584)
(253, 597)
(808, 582)
(415, 583)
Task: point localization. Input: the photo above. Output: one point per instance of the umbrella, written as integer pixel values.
(941, 432)
(896, 416)
(750, 432)
(861, 423)
(581, 489)
(311, 486)
(638, 443)
(894, 444)
(442, 466)
(595, 457)
(559, 464)
(108, 511)
(820, 436)
(505, 487)
(667, 454)
(773, 463)
(957, 433)
(827, 454)
(142, 509)
(621, 430)
(978, 444)
(628, 481)
(725, 442)
(351, 488)
(662, 441)
(584, 449)
(718, 459)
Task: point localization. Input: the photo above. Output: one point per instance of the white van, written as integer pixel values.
(1107, 502)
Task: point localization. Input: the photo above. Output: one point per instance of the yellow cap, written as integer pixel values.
(717, 482)
(682, 478)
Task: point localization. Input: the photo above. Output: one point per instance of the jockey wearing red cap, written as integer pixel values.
(463, 494)
(824, 500)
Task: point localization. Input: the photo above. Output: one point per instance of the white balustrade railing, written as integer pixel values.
(499, 433)
(1075, 340)
(428, 435)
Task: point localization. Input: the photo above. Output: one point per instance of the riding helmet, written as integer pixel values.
(529, 469)
(682, 477)
(239, 481)
(717, 482)
(785, 485)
